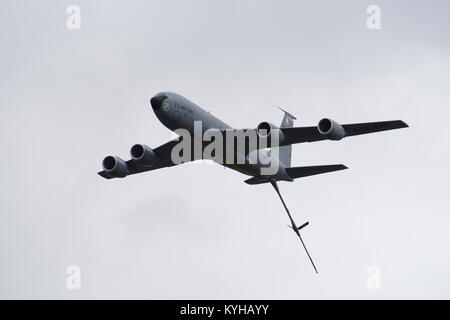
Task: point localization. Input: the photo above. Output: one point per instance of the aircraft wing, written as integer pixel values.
(164, 160)
(312, 134)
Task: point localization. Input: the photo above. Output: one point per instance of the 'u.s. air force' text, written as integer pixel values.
(227, 309)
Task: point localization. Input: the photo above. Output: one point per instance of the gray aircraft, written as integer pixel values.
(177, 112)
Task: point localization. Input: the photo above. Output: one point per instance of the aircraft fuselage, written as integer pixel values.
(176, 112)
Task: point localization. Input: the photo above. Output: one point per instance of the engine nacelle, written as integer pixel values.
(115, 166)
(143, 154)
(267, 129)
(331, 129)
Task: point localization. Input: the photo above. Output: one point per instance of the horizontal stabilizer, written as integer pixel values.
(299, 172)
(257, 180)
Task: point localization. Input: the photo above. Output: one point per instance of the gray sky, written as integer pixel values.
(70, 97)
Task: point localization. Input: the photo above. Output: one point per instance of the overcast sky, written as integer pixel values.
(70, 97)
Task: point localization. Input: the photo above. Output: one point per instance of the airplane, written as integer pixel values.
(178, 113)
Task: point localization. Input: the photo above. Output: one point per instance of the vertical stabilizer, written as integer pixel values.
(286, 151)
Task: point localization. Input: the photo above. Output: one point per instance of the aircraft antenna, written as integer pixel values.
(293, 226)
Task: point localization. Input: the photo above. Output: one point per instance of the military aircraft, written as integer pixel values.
(235, 148)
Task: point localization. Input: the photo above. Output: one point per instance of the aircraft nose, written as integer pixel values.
(157, 101)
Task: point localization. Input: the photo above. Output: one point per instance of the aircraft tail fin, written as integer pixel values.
(300, 172)
(285, 152)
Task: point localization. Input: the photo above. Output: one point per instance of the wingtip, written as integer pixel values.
(403, 124)
(103, 174)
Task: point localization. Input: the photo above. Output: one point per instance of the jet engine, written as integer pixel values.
(331, 129)
(143, 154)
(265, 130)
(115, 166)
